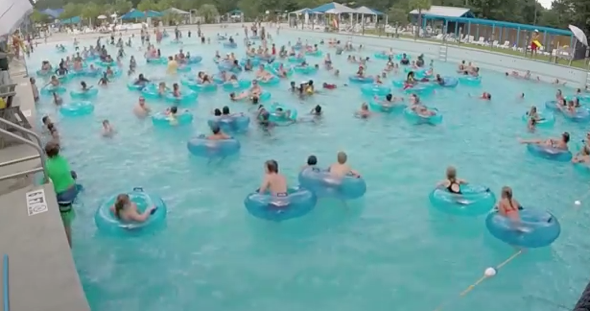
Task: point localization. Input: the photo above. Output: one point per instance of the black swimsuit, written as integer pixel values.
(450, 187)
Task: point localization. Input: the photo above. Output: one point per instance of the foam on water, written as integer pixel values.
(390, 250)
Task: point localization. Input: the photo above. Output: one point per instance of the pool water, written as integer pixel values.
(388, 251)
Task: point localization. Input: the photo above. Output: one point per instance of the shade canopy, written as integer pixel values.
(133, 14)
(176, 11)
(579, 34)
(302, 11)
(71, 20)
(367, 11)
(55, 13)
(333, 8)
(12, 14)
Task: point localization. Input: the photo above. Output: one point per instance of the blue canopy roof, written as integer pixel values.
(133, 14)
(332, 8)
(70, 21)
(55, 13)
(302, 11)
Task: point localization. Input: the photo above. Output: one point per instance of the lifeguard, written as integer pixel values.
(535, 44)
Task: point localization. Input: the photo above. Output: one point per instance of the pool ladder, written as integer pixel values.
(442, 53)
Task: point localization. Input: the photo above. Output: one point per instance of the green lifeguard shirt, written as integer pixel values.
(59, 172)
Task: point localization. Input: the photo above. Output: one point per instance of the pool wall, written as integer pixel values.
(546, 71)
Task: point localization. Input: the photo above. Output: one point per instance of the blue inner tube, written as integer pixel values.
(375, 89)
(388, 107)
(278, 116)
(132, 85)
(186, 97)
(49, 89)
(293, 59)
(358, 79)
(194, 59)
(417, 119)
(160, 60)
(163, 120)
(241, 84)
(449, 82)
(107, 222)
(582, 115)
(75, 109)
(323, 184)
(474, 200)
(550, 153)
(235, 123)
(296, 203)
(253, 61)
(305, 69)
(90, 93)
(470, 80)
(547, 118)
(272, 81)
(535, 228)
(314, 53)
(382, 56)
(207, 148)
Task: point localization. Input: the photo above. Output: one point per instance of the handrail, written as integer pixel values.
(22, 129)
(37, 147)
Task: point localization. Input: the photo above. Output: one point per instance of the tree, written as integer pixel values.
(208, 12)
(40, 18)
(122, 6)
(91, 11)
(146, 5)
(71, 10)
(397, 15)
(420, 5)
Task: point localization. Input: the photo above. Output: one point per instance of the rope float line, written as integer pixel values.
(491, 271)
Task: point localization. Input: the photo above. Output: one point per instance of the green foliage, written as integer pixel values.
(208, 12)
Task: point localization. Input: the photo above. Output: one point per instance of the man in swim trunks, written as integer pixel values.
(557, 143)
(273, 181)
(141, 110)
(341, 169)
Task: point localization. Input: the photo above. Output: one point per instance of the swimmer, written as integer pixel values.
(452, 184)
(107, 129)
(509, 207)
(273, 181)
(54, 133)
(172, 66)
(171, 113)
(126, 211)
(364, 112)
(556, 143)
(484, 96)
(389, 101)
(217, 133)
(583, 156)
(57, 100)
(312, 161)
(533, 118)
(340, 169)
(141, 110)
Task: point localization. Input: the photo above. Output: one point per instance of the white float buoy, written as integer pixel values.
(577, 202)
(490, 272)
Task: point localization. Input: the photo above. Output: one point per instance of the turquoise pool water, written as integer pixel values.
(389, 251)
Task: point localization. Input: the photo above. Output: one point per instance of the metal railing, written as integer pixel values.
(35, 144)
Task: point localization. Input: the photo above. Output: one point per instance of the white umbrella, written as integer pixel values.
(102, 17)
(12, 14)
(579, 34)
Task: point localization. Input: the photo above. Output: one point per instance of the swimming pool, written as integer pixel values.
(390, 250)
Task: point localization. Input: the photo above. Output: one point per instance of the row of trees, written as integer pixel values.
(562, 13)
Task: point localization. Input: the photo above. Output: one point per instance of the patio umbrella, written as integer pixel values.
(579, 34)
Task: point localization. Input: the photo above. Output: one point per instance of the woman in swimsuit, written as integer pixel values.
(452, 184)
(583, 156)
(508, 206)
(533, 117)
(556, 143)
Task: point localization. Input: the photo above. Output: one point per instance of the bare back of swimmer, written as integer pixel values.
(340, 168)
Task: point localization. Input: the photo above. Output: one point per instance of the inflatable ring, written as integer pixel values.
(44, 73)
(474, 200)
(208, 148)
(415, 70)
(545, 118)
(399, 83)
(550, 153)
(79, 94)
(280, 117)
(241, 84)
(323, 184)
(264, 96)
(382, 56)
(357, 79)
(49, 90)
(253, 61)
(421, 89)
(235, 123)
(417, 119)
(449, 82)
(296, 203)
(205, 87)
(76, 109)
(107, 222)
(92, 72)
(293, 59)
(157, 61)
(424, 74)
(387, 108)
(106, 64)
(535, 228)
(582, 115)
(194, 60)
(469, 80)
(164, 120)
(185, 98)
(305, 69)
(274, 68)
(183, 68)
(65, 78)
(375, 89)
(230, 45)
(132, 85)
(265, 58)
(314, 53)
(272, 81)
(151, 91)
